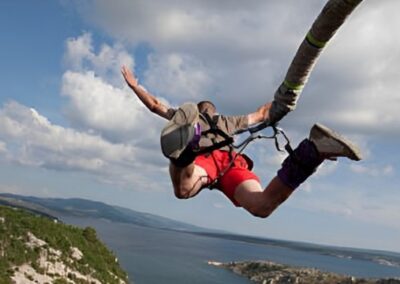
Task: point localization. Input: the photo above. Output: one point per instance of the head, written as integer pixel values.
(207, 106)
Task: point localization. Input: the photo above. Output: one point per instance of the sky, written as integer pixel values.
(70, 127)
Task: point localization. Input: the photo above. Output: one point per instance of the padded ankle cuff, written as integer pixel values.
(298, 166)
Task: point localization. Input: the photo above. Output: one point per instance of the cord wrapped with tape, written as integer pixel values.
(332, 16)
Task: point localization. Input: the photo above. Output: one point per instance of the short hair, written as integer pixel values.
(206, 106)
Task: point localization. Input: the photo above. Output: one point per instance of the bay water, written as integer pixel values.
(151, 255)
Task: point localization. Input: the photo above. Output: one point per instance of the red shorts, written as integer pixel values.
(218, 161)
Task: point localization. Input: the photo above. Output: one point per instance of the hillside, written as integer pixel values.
(37, 249)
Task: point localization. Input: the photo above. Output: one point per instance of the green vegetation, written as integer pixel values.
(261, 267)
(15, 225)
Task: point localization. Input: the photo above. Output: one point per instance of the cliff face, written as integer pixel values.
(265, 272)
(37, 249)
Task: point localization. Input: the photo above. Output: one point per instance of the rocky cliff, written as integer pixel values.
(37, 249)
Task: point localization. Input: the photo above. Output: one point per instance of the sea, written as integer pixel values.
(153, 256)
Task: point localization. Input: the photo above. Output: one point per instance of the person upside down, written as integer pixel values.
(187, 133)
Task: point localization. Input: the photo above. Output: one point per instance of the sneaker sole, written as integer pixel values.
(355, 153)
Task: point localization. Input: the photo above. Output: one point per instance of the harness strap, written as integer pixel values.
(215, 146)
(211, 121)
(228, 140)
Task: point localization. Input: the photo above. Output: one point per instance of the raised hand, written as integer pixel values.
(129, 77)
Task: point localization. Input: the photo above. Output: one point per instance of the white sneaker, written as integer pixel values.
(331, 145)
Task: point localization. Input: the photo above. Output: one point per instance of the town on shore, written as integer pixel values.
(267, 272)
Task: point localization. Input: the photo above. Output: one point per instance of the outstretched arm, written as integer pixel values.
(151, 102)
(260, 115)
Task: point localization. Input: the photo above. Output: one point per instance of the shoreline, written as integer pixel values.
(268, 272)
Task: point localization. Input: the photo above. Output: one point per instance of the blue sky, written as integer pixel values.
(69, 127)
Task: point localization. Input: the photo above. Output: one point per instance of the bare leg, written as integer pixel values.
(187, 181)
(296, 168)
(259, 202)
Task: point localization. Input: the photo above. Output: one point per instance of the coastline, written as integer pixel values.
(267, 272)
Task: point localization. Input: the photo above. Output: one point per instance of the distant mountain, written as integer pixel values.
(10, 200)
(92, 209)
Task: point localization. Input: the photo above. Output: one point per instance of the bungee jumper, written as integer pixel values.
(199, 142)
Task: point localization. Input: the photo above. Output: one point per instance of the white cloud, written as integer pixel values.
(112, 137)
(177, 76)
(105, 106)
(232, 43)
(81, 56)
(373, 171)
(355, 199)
(3, 147)
(33, 132)
(246, 48)
(225, 26)
(352, 86)
(96, 105)
(326, 168)
(77, 50)
(33, 141)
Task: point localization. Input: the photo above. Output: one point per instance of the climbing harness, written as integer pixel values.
(239, 148)
(215, 130)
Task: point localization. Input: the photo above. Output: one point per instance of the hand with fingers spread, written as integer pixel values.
(150, 101)
(129, 77)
